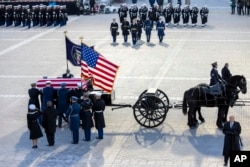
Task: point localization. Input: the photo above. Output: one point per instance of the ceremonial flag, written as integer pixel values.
(73, 52)
(94, 65)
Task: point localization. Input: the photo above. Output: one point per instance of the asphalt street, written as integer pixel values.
(182, 61)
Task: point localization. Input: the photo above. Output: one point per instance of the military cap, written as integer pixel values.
(32, 107)
(48, 82)
(214, 64)
(63, 84)
(74, 98)
(98, 94)
(79, 84)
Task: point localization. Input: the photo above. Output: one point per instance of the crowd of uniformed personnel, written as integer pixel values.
(37, 15)
(145, 18)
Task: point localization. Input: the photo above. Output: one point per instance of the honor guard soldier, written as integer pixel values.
(86, 116)
(204, 15)
(114, 30)
(125, 29)
(122, 12)
(225, 72)
(139, 28)
(68, 74)
(148, 28)
(215, 76)
(35, 15)
(160, 26)
(34, 94)
(98, 109)
(167, 13)
(143, 12)
(74, 119)
(133, 29)
(17, 15)
(194, 15)
(8, 15)
(177, 15)
(185, 15)
(233, 5)
(151, 16)
(2, 15)
(133, 11)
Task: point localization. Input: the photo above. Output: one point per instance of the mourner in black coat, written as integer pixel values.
(34, 94)
(98, 109)
(68, 74)
(225, 72)
(33, 126)
(49, 123)
(232, 130)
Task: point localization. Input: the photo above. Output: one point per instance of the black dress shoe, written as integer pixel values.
(99, 137)
(35, 146)
(74, 142)
(225, 164)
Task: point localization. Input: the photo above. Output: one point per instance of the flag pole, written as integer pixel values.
(65, 34)
(81, 38)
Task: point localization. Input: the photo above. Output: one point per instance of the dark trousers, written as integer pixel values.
(50, 138)
(233, 9)
(100, 132)
(134, 38)
(160, 38)
(125, 38)
(75, 136)
(148, 38)
(226, 159)
(139, 36)
(60, 120)
(114, 38)
(87, 133)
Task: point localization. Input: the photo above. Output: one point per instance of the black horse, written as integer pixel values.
(201, 96)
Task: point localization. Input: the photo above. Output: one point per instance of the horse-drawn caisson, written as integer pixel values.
(151, 108)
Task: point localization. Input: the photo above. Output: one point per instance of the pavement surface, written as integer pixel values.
(182, 61)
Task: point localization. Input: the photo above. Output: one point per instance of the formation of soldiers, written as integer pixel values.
(170, 13)
(38, 15)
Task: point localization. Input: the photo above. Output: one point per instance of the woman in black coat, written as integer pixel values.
(232, 130)
(33, 126)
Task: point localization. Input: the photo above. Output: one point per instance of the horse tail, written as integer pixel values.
(184, 104)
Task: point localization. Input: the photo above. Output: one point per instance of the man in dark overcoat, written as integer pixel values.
(232, 130)
(86, 116)
(125, 29)
(49, 123)
(74, 119)
(98, 109)
(63, 102)
(34, 94)
(225, 72)
(148, 28)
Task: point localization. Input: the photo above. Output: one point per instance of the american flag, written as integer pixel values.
(71, 83)
(97, 67)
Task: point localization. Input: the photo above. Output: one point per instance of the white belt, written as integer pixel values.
(99, 111)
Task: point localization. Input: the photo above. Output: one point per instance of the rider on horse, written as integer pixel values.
(215, 76)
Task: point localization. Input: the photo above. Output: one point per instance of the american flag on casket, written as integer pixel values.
(71, 83)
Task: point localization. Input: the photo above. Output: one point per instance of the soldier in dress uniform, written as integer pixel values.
(151, 16)
(74, 119)
(194, 15)
(98, 109)
(48, 94)
(35, 15)
(225, 72)
(34, 94)
(125, 29)
(160, 26)
(139, 28)
(167, 13)
(204, 15)
(8, 15)
(122, 12)
(177, 15)
(2, 15)
(86, 116)
(148, 28)
(78, 92)
(143, 12)
(68, 74)
(215, 76)
(133, 29)
(133, 12)
(185, 15)
(233, 5)
(114, 29)
(62, 102)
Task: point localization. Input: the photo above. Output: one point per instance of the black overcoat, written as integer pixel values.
(99, 105)
(33, 126)
(34, 97)
(86, 115)
(232, 137)
(49, 120)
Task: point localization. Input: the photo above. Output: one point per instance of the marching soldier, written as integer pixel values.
(125, 29)
(160, 28)
(114, 30)
(148, 28)
(133, 12)
(204, 14)
(176, 15)
(151, 16)
(122, 12)
(233, 5)
(2, 15)
(35, 15)
(8, 15)
(185, 15)
(167, 13)
(139, 28)
(194, 15)
(133, 29)
(143, 12)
